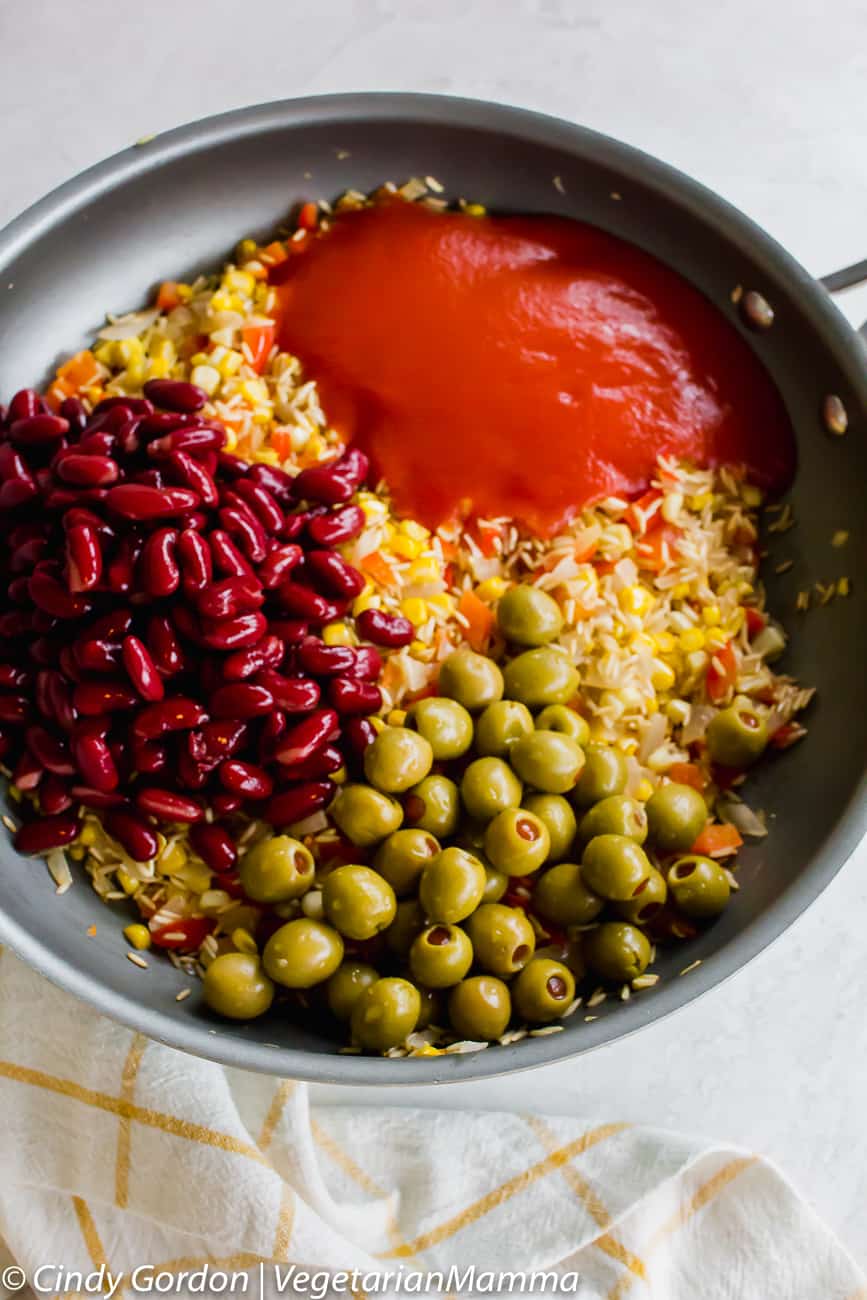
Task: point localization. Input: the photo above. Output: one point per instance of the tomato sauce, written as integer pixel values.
(520, 366)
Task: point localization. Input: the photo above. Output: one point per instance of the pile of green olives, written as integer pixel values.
(500, 859)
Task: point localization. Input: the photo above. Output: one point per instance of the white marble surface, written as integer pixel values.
(764, 102)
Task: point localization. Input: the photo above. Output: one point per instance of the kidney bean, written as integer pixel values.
(141, 669)
(38, 430)
(189, 774)
(261, 502)
(189, 441)
(47, 833)
(354, 465)
(193, 475)
(54, 796)
(291, 631)
(325, 484)
(313, 656)
(12, 677)
(186, 623)
(59, 697)
(194, 555)
(121, 568)
(97, 799)
(158, 566)
(244, 525)
(274, 480)
(28, 772)
(161, 422)
(133, 405)
(24, 404)
(96, 656)
(245, 779)
(229, 597)
(148, 757)
(216, 741)
(278, 564)
(368, 664)
(164, 647)
(93, 699)
(17, 492)
(241, 700)
(111, 626)
(304, 602)
(177, 714)
(94, 444)
(24, 557)
(337, 526)
(50, 753)
(299, 802)
(235, 633)
(390, 630)
(68, 664)
(352, 695)
(359, 733)
(323, 763)
(268, 653)
(306, 737)
(132, 833)
(48, 594)
(214, 846)
(334, 574)
(175, 395)
(83, 558)
(12, 464)
(24, 532)
(15, 624)
(95, 762)
(227, 558)
(18, 590)
(168, 806)
(87, 469)
(141, 501)
(224, 804)
(14, 708)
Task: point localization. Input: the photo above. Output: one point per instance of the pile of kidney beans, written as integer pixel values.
(160, 623)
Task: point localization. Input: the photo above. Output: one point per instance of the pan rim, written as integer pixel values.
(714, 212)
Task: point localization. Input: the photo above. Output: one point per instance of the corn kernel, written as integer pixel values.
(677, 711)
(415, 609)
(239, 282)
(244, 941)
(138, 936)
(127, 882)
(206, 377)
(76, 852)
(159, 368)
(665, 642)
(644, 791)
(231, 439)
(105, 352)
(408, 548)
(366, 600)
(266, 456)
(641, 641)
(130, 350)
(662, 676)
(475, 209)
(417, 647)
(338, 634)
(651, 706)
(229, 363)
(693, 638)
(711, 615)
(374, 508)
(636, 600)
(442, 603)
(221, 301)
(751, 496)
(396, 718)
(378, 724)
(716, 638)
(680, 591)
(172, 859)
(199, 359)
(425, 570)
(414, 529)
(193, 876)
(701, 500)
(492, 589)
(247, 248)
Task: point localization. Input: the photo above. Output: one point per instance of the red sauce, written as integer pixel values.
(520, 366)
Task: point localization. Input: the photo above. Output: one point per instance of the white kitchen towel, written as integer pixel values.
(141, 1168)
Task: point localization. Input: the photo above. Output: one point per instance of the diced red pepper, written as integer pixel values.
(755, 620)
(722, 673)
(259, 339)
(655, 548)
(717, 841)
(642, 515)
(187, 934)
(308, 217)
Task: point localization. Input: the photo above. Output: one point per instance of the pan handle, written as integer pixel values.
(847, 278)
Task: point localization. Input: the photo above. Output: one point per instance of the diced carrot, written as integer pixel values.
(722, 673)
(717, 841)
(273, 253)
(167, 296)
(80, 370)
(480, 620)
(281, 441)
(641, 515)
(755, 620)
(654, 549)
(379, 569)
(688, 774)
(449, 549)
(58, 392)
(308, 217)
(259, 339)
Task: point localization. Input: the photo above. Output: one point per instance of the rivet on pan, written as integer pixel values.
(756, 311)
(834, 415)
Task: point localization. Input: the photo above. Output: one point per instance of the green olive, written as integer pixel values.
(517, 842)
(236, 986)
(496, 884)
(358, 901)
(699, 886)
(488, 786)
(276, 869)
(433, 1008)
(503, 939)
(347, 985)
(547, 760)
(472, 679)
(452, 886)
(397, 759)
(558, 816)
(617, 950)
(737, 736)
(559, 717)
(643, 906)
(480, 1008)
(614, 866)
(543, 990)
(434, 805)
(528, 616)
(409, 920)
(568, 952)
(403, 856)
(445, 725)
(365, 815)
(385, 1014)
(616, 815)
(540, 677)
(440, 956)
(501, 724)
(560, 895)
(605, 773)
(303, 953)
(676, 816)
